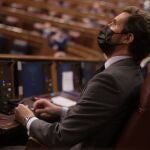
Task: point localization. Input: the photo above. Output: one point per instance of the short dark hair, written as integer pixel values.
(138, 23)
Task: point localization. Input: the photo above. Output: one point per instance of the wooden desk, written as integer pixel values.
(11, 133)
(61, 10)
(9, 126)
(33, 39)
(8, 123)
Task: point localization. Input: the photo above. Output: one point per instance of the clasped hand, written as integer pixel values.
(43, 109)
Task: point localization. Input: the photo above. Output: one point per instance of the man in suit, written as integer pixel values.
(110, 97)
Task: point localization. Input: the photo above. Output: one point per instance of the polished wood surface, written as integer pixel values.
(7, 122)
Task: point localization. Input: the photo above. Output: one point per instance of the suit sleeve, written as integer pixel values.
(96, 108)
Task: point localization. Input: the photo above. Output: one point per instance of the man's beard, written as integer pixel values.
(108, 49)
(104, 41)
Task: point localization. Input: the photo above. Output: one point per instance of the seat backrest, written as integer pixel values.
(136, 135)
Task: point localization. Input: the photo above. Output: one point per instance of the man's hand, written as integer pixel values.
(46, 110)
(23, 113)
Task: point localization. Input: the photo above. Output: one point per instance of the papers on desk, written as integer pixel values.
(62, 101)
(67, 81)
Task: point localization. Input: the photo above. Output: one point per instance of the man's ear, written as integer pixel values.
(128, 38)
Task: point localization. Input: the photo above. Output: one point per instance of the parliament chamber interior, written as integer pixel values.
(48, 49)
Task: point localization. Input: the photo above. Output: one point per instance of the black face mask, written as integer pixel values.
(104, 40)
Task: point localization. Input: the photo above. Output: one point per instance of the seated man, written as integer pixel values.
(110, 97)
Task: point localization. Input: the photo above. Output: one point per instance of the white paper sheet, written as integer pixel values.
(67, 81)
(62, 101)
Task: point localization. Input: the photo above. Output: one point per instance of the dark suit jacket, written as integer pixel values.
(104, 108)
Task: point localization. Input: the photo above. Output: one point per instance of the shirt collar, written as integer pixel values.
(114, 59)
